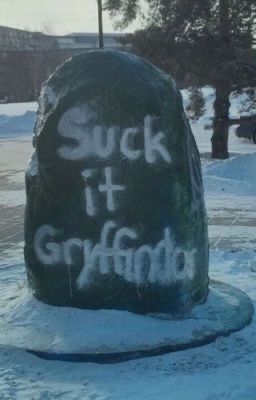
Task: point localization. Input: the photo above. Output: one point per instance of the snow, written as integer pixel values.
(225, 369)
(19, 124)
(13, 109)
(17, 119)
(12, 197)
(235, 175)
(238, 168)
(32, 168)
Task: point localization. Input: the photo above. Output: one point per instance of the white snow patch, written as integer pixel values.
(12, 198)
(13, 109)
(32, 167)
(235, 175)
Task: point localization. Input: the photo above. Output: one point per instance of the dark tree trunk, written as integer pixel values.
(221, 124)
(222, 104)
(101, 43)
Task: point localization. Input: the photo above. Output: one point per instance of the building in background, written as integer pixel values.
(88, 40)
(28, 58)
(18, 39)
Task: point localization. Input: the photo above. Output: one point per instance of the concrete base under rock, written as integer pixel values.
(107, 336)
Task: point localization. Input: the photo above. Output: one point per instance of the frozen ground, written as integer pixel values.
(224, 370)
(17, 119)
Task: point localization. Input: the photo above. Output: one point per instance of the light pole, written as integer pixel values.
(101, 43)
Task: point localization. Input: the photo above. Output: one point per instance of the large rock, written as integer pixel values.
(115, 214)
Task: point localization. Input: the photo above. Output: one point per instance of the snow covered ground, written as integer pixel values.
(17, 119)
(225, 369)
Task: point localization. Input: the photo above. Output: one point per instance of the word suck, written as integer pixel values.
(90, 140)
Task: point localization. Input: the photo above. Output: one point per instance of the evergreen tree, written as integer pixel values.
(199, 42)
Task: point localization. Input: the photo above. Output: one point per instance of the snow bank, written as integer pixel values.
(12, 109)
(17, 118)
(18, 124)
(235, 175)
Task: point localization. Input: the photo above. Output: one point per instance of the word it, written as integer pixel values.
(108, 189)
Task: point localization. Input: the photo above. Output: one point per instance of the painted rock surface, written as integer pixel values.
(115, 214)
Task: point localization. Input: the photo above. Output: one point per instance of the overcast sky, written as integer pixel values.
(54, 16)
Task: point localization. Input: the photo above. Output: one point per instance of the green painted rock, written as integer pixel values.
(115, 214)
